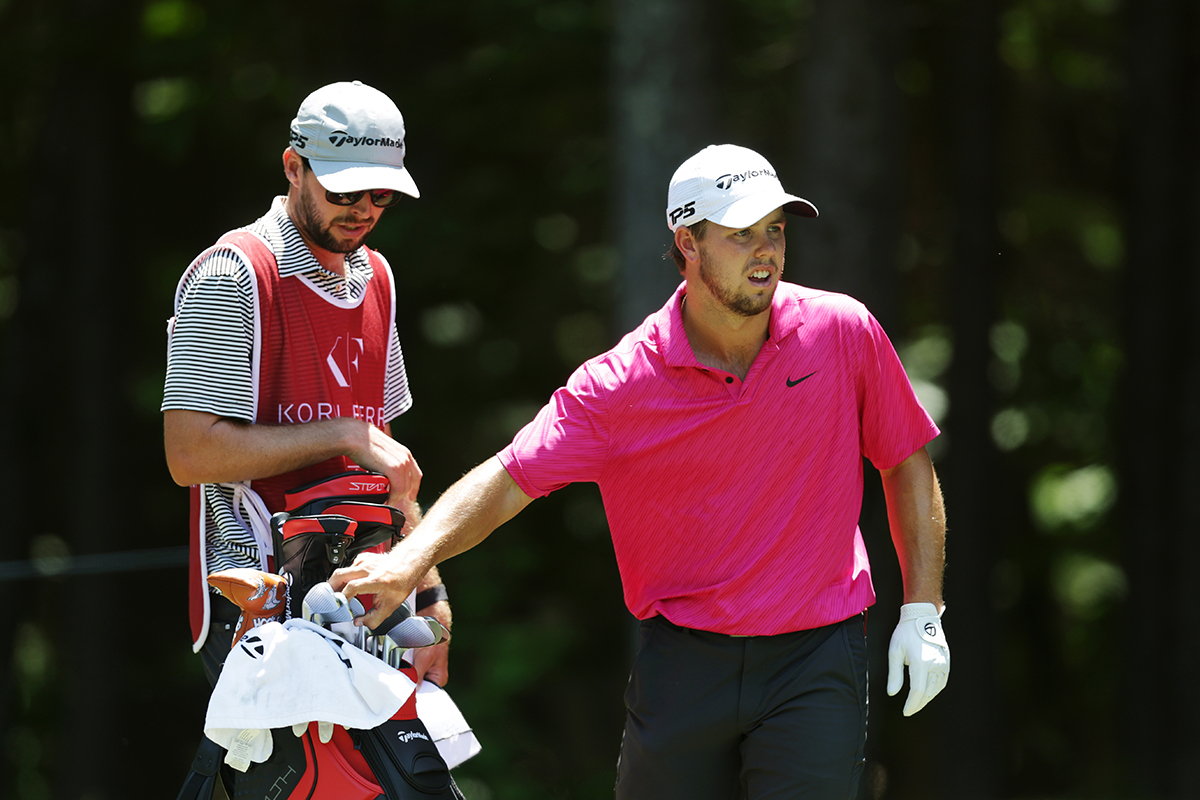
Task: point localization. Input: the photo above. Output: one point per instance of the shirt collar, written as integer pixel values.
(786, 317)
(668, 329)
(292, 254)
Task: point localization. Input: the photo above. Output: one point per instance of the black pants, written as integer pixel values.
(764, 717)
(223, 616)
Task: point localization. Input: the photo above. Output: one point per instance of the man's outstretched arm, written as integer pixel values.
(481, 501)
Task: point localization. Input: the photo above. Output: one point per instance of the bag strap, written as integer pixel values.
(201, 781)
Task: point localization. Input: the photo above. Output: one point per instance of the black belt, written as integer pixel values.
(222, 613)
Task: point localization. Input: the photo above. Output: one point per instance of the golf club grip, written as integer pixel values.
(401, 613)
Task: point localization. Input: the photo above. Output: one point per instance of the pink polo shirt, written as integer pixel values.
(734, 505)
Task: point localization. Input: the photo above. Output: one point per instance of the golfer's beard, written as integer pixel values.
(322, 237)
(744, 305)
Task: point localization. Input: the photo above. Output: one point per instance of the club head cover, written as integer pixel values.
(261, 596)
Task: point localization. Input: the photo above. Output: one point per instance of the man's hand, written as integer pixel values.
(465, 515)
(384, 575)
(378, 451)
(433, 663)
(919, 642)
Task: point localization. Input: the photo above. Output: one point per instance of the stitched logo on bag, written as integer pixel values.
(280, 784)
(408, 736)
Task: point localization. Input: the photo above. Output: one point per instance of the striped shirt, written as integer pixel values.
(733, 505)
(210, 357)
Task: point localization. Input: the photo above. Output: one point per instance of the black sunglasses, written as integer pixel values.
(380, 198)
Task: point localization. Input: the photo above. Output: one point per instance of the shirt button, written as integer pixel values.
(729, 380)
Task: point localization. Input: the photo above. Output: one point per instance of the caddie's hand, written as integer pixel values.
(920, 643)
(379, 574)
(433, 663)
(381, 453)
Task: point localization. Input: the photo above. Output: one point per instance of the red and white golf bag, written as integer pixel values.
(327, 524)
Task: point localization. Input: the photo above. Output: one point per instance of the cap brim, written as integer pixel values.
(749, 210)
(800, 207)
(349, 176)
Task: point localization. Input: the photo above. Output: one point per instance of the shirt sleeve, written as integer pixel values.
(210, 341)
(567, 442)
(396, 395)
(893, 423)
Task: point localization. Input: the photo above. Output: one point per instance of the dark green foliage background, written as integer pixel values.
(133, 134)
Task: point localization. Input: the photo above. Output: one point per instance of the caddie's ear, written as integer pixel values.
(686, 241)
(293, 167)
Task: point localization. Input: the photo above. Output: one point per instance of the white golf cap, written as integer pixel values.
(353, 137)
(729, 185)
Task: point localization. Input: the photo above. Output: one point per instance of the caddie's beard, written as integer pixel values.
(308, 221)
(745, 305)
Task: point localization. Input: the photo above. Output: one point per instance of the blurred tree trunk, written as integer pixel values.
(662, 115)
(16, 546)
(969, 761)
(850, 144)
(75, 275)
(661, 86)
(1161, 426)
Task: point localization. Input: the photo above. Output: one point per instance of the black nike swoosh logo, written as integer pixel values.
(792, 383)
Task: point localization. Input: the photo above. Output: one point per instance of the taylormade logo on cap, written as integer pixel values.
(725, 181)
(353, 137)
(728, 185)
(340, 138)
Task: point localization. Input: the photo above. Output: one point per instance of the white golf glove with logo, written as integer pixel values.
(920, 643)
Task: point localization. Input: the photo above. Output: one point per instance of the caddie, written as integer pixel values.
(283, 361)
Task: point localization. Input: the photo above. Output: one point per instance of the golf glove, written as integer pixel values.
(324, 730)
(920, 643)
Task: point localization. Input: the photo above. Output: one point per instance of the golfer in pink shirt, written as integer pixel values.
(727, 435)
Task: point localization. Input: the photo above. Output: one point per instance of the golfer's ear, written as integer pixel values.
(685, 240)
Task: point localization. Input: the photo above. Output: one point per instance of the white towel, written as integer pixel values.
(283, 673)
(446, 724)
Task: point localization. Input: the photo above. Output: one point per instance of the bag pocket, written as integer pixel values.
(405, 761)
